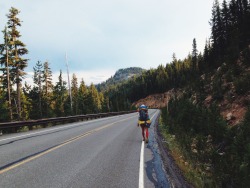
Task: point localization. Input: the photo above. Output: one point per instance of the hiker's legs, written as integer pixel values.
(146, 130)
(142, 131)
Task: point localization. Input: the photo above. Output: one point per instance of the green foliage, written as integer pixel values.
(93, 100)
(82, 98)
(207, 142)
(217, 88)
(16, 51)
(74, 93)
(246, 55)
(187, 118)
(240, 153)
(3, 108)
(60, 97)
(242, 84)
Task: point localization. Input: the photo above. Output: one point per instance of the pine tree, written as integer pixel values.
(47, 78)
(194, 56)
(105, 104)
(225, 16)
(60, 96)
(217, 33)
(93, 99)
(74, 89)
(27, 107)
(4, 61)
(82, 95)
(17, 50)
(246, 22)
(38, 81)
(47, 88)
(3, 106)
(102, 107)
(234, 31)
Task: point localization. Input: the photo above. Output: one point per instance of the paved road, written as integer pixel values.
(106, 152)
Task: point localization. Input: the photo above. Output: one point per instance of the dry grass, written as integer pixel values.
(192, 173)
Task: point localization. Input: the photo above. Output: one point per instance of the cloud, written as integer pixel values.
(109, 34)
(93, 76)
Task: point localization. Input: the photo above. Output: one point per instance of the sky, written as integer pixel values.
(100, 37)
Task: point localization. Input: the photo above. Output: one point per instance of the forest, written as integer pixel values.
(218, 152)
(21, 101)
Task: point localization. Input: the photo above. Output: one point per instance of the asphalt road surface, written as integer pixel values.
(107, 152)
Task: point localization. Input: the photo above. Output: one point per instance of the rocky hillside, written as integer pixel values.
(120, 76)
(233, 111)
(233, 103)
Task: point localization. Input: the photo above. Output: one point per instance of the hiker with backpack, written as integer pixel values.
(144, 121)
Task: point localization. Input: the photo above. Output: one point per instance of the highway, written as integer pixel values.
(107, 152)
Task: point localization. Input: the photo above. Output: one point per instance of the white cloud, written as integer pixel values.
(110, 34)
(93, 76)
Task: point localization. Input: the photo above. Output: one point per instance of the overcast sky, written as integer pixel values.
(102, 36)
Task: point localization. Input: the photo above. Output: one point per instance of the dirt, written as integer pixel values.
(232, 111)
(158, 100)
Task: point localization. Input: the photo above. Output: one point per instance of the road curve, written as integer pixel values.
(98, 153)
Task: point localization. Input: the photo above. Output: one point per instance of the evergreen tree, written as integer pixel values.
(225, 16)
(74, 89)
(234, 32)
(4, 61)
(105, 103)
(93, 99)
(217, 33)
(82, 95)
(47, 89)
(60, 96)
(38, 82)
(17, 50)
(102, 107)
(27, 105)
(3, 106)
(47, 78)
(246, 22)
(194, 56)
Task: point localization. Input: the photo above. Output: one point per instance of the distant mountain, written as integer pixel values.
(120, 76)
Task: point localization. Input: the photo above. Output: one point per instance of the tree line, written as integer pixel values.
(43, 99)
(230, 37)
(218, 152)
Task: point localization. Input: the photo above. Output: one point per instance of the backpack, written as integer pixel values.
(143, 115)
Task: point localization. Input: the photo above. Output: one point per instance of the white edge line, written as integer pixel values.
(141, 171)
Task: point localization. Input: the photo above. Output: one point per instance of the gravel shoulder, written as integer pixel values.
(175, 175)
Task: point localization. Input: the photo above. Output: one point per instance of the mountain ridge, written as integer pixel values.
(120, 76)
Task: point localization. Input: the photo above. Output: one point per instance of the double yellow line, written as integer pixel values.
(58, 146)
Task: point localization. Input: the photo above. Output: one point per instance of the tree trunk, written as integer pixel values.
(8, 80)
(18, 88)
(18, 95)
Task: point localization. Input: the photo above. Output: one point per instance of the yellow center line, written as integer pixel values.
(59, 146)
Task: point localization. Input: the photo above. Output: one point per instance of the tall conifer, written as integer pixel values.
(6, 64)
(83, 96)
(38, 82)
(17, 50)
(60, 96)
(74, 89)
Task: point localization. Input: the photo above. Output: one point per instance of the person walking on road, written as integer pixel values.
(144, 121)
